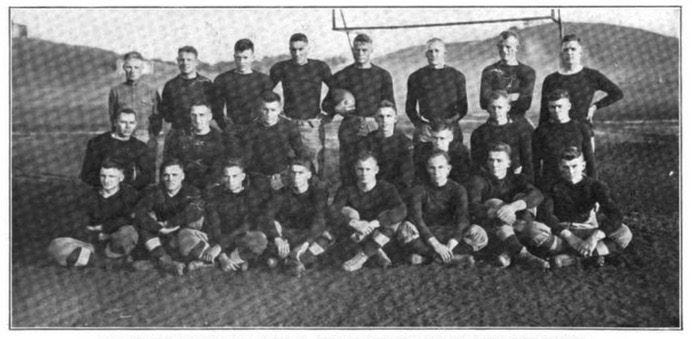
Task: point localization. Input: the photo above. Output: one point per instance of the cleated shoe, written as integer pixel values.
(295, 268)
(564, 260)
(356, 262)
(382, 259)
(463, 260)
(142, 265)
(171, 266)
(595, 261)
(272, 263)
(198, 264)
(416, 259)
(503, 260)
(530, 260)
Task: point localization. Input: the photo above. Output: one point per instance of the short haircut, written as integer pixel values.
(110, 163)
(387, 104)
(362, 38)
(364, 156)
(200, 103)
(267, 97)
(132, 55)
(439, 125)
(507, 34)
(188, 49)
(433, 40)
(571, 37)
(243, 45)
(438, 153)
(171, 162)
(570, 153)
(500, 147)
(558, 94)
(298, 37)
(233, 162)
(301, 161)
(498, 94)
(124, 111)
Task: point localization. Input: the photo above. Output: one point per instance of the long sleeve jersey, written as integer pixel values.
(133, 155)
(581, 87)
(436, 94)
(239, 94)
(179, 210)
(381, 203)
(198, 153)
(306, 211)
(141, 98)
(568, 202)
(490, 132)
(394, 157)
(511, 78)
(369, 86)
(269, 149)
(484, 186)
(112, 212)
(459, 159)
(549, 140)
(231, 213)
(431, 205)
(302, 86)
(178, 96)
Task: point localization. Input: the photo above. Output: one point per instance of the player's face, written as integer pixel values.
(438, 169)
(233, 178)
(269, 112)
(442, 139)
(498, 109)
(559, 109)
(299, 51)
(173, 177)
(125, 125)
(299, 176)
(571, 53)
(200, 117)
(133, 69)
(366, 171)
(386, 118)
(435, 53)
(187, 63)
(573, 170)
(507, 48)
(498, 164)
(362, 52)
(111, 178)
(244, 59)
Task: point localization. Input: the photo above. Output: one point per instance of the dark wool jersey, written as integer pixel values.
(239, 93)
(181, 209)
(382, 203)
(459, 157)
(268, 150)
(431, 205)
(302, 86)
(568, 202)
(581, 87)
(438, 93)
(198, 153)
(548, 142)
(484, 186)
(133, 155)
(228, 212)
(112, 212)
(511, 134)
(511, 78)
(394, 157)
(368, 85)
(141, 98)
(178, 96)
(305, 211)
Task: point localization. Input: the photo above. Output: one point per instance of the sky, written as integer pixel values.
(158, 32)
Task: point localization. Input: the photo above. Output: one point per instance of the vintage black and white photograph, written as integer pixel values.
(345, 168)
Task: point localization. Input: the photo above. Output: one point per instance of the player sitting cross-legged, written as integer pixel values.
(583, 215)
(438, 211)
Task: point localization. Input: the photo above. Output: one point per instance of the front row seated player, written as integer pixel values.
(438, 211)
(583, 215)
(231, 209)
(368, 212)
(500, 201)
(171, 214)
(295, 219)
(109, 223)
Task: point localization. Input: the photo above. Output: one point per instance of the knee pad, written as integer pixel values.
(62, 251)
(122, 242)
(407, 232)
(476, 237)
(253, 243)
(493, 205)
(622, 236)
(197, 224)
(189, 240)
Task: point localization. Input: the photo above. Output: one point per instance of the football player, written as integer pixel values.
(442, 139)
